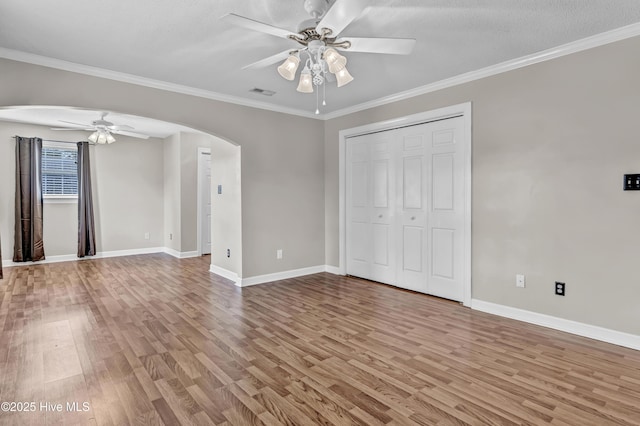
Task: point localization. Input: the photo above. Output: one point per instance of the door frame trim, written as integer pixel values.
(201, 152)
(464, 110)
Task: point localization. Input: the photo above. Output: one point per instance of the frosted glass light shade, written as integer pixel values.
(102, 138)
(306, 81)
(343, 77)
(335, 60)
(289, 67)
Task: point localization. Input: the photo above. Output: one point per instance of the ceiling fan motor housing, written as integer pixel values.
(316, 8)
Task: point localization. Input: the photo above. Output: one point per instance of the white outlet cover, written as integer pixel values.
(520, 280)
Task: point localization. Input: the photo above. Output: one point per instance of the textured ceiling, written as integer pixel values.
(184, 42)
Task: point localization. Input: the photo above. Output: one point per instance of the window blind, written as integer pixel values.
(59, 172)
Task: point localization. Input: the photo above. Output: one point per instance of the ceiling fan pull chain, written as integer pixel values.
(324, 95)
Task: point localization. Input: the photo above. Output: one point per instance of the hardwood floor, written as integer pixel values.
(156, 340)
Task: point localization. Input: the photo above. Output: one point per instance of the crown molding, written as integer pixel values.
(16, 55)
(597, 40)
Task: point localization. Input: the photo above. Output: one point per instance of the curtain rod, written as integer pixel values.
(51, 140)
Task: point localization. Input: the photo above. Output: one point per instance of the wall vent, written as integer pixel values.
(262, 91)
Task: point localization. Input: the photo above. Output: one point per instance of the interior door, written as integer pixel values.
(411, 205)
(370, 216)
(406, 207)
(358, 212)
(382, 211)
(446, 217)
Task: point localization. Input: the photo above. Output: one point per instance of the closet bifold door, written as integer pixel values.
(411, 207)
(446, 222)
(370, 211)
(405, 207)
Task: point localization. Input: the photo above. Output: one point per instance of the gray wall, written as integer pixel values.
(171, 160)
(282, 155)
(551, 143)
(127, 194)
(226, 208)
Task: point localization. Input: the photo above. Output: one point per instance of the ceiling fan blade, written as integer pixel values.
(340, 15)
(392, 46)
(132, 134)
(270, 60)
(83, 125)
(70, 129)
(251, 24)
(117, 128)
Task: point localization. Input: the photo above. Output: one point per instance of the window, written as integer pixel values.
(59, 170)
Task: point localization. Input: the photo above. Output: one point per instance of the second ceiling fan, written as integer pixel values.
(320, 40)
(102, 129)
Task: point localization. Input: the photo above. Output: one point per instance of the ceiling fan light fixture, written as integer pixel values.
(335, 60)
(343, 77)
(289, 67)
(102, 138)
(93, 137)
(306, 81)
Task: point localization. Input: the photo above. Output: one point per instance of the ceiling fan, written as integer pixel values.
(102, 129)
(319, 38)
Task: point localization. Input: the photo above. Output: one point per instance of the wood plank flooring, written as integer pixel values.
(157, 340)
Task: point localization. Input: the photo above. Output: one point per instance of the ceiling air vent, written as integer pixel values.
(262, 91)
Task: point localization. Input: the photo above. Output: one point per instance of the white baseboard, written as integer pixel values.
(224, 273)
(180, 254)
(118, 253)
(586, 330)
(73, 257)
(332, 270)
(261, 279)
(105, 254)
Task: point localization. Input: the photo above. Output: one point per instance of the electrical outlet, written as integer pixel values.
(146, 236)
(279, 254)
(228, 252)
(520, 280)
(171, 236)
(560, 288)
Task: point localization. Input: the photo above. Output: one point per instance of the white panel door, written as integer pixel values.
(382, 212)
(447, 206)
(370, 194)
(358, 232)
(406, 207)
(411, 205)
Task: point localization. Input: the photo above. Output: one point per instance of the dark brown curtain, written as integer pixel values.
(86, 230)
(28, 243)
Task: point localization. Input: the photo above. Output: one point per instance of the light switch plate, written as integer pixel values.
(520, 280)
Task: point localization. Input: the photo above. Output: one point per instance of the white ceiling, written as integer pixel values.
(184, 42)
